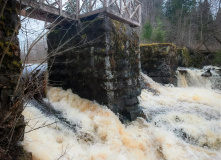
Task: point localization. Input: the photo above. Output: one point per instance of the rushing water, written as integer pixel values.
(182, 123)
(191, 77)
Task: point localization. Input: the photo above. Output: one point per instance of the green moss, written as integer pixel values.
(55, 31)
(158, 44)
(1, 44)
(118, 25)
(217, 58)
(119, 38)
(10, 54)
(122, 47)
(159, 48)
(14, 47)
(84, 36)
(16, 64)
(8, 33)
(186, 60)
(103, 50)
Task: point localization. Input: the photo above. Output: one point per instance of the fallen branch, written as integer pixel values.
(40, 127)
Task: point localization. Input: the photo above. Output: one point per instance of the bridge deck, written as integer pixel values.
(126, 11)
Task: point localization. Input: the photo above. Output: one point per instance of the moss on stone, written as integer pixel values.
(159, 48)
(55, 31)
(186, 58)
(103, 50)
(159, 61)
(16, 64)
(10, 54)
(1, 44)
(118, 25)
(84, 36)
(13, 47)
(157, 44)
(10, 69)
(119, 39)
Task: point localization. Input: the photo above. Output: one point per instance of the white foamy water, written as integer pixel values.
(183, 124)
(193, 77)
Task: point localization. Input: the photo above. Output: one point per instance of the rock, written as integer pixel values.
(207, 73)
(188, 57)
(182, 70)
(131, 102)
(159, 61)
(11, 103)
(105, 67)
(135, 112)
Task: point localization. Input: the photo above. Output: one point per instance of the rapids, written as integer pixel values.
(208, 77)
(182, 123)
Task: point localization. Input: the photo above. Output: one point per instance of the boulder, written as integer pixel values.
(159, 61)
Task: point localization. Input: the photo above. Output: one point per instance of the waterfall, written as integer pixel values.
(182, 123)
(209, 77)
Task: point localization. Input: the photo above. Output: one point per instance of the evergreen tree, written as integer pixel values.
(156, 34)
(159, 32)
(147, 31)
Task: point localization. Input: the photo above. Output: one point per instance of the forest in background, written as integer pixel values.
(195, 24)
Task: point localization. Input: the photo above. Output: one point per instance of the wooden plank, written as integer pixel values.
(44, 11)
(47, 1)
(105, 3)
(45, 8)
(122, 19)
(134, 12)
(125, 7)
(81, 6)
(36, 15)
(93, 4)
(118, 7)
(140, 14)
(138, 1)
(111, 3)
(53, 4)
(65, 3)
(60, 7)
(77, 9)
(40, 3)
(121, 11)
(90, 5)
(72, 6)
(97, 11)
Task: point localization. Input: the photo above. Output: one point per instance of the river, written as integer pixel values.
(183, 123)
